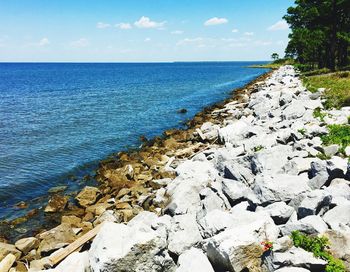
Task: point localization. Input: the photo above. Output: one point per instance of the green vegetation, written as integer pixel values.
(258, 148)
(323, 156)
(275, 56)
(337, 87)
(319, 114)
(302, 131)
(338, 134)
(318, 245)
(320, 36)
(275, 64)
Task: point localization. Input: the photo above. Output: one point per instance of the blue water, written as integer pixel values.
(59, 119)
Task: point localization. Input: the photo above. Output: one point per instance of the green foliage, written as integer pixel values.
(323, 156)
(258, 148)
(302, 131)
(317, 72)
(275, 56)
(320, 33)
(338, 134)
(317, 245)
(319, 114)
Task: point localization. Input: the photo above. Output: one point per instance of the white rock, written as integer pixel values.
(118, 247)
(77, 262)
(279, 187)
(299, 258)
(194, 260)
(312, 224)
(184, 233)
(280, 212)
(331, 150)
(338, 218)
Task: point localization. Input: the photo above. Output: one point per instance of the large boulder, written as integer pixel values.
(183, 234)
(279, 187)
(315, 202)
(193, 260)
(238, 248)
(216, 221)
(236, 192)
(338, 218)
(118, 247)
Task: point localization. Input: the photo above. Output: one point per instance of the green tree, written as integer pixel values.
(275, 56)
(320, 32)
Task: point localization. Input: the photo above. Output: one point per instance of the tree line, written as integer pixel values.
(320, 36)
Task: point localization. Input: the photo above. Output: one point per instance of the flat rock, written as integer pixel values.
(298, 257)
(88, 196)
(280, 212)
(27, 244)
(56, 238)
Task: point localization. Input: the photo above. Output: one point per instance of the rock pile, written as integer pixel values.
(260, 180)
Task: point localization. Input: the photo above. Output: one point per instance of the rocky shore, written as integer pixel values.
(224, 195)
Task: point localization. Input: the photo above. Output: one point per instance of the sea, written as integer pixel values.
(58, 120)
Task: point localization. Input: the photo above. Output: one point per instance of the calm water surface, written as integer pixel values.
(57, 120)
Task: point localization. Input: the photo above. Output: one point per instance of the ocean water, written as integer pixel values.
(57, 120)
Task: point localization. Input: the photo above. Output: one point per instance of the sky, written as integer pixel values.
(141, 30)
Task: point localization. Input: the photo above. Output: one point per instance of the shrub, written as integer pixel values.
(317, 245)
(338, 134)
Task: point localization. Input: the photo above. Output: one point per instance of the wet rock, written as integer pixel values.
(57, 189)
(71, 220)
(6, 249)
(55, 238)
(57, 203)
(194, 260)
(88, 196)
(27, 244)
(118, 247)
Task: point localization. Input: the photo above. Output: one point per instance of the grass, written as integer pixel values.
(258, 148)
(302, 131)
(337, 87)
(338, 134)
(319, 114)
(318, 246)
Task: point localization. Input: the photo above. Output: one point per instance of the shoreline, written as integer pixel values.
(228, 193)
(123, 157)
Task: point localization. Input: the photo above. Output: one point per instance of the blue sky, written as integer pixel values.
(141, 30)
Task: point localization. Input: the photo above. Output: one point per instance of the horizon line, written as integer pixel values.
(126, 62)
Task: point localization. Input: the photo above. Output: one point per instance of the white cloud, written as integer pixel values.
(146, 22)
(215, 21)
(177, 32)
(280, 25)
(82, 42)
(234, 30)
(147, 40)
(249, 33)
(44, 42)
(102, 25)
(123, 26)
